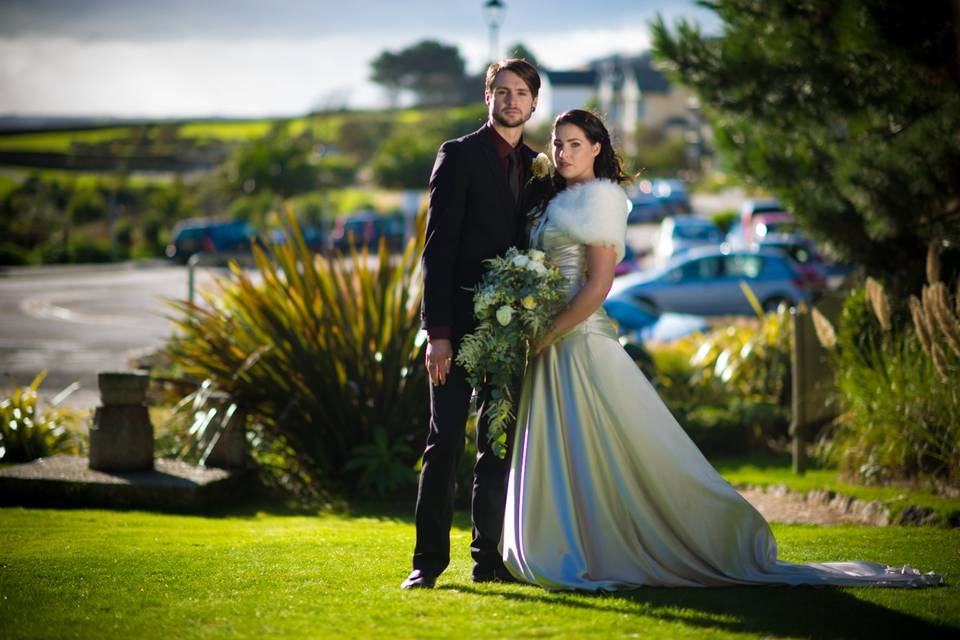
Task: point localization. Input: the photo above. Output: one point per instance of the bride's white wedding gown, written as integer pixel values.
(606, 490)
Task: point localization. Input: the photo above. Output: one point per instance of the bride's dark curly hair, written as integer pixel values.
(606, 165)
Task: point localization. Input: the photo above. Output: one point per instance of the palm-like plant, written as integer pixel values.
(321, 352)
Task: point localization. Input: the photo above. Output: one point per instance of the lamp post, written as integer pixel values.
(493, 10)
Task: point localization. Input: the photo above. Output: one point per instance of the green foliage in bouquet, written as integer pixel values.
(514, 303)
(323, 353)
(26, 433)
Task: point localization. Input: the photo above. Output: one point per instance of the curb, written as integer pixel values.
(870, 512)
(53, 269)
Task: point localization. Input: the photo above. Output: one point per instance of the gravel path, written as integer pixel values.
(791, 508)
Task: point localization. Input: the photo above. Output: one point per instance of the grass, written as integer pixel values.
(7, 184)
(765, 470)
(58, 141)
(99, 574)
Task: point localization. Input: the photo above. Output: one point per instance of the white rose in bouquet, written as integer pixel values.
(505, 314)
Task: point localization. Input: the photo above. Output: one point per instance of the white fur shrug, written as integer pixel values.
(592, 212)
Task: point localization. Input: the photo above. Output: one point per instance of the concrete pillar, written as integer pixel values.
(121, 437)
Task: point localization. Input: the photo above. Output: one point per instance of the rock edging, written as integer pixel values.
(870, 512)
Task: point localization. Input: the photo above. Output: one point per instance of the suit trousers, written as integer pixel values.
(449, 408)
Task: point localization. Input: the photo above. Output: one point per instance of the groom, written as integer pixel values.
(478, 198)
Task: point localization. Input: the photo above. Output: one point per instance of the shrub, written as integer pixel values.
(404, 160)
(82, 250)
(897, 379)
(86, 205)
(13, 255)
(729, 389)
(324, 354)
(725, 219)
(25, 433)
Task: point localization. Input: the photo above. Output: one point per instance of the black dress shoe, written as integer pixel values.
(419, 580)
(499, 574)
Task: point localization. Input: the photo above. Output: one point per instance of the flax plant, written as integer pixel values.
(28, 432)
(323, 352)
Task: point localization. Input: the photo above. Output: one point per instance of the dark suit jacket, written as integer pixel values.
(472, 217)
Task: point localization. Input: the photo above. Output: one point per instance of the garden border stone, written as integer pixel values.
(172, 485)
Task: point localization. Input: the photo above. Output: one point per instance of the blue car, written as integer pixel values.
(707, 281)
(209, 236)
(636, 320)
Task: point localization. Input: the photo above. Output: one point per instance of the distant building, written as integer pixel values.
(629, 92)
(564, 90)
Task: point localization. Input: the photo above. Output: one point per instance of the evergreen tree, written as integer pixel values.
(848, 111)
(432, 70)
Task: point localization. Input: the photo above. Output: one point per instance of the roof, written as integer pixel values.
(587, 78)
(649, 79)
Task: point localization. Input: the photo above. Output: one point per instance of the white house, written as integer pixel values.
(564, 90)
(629, 92)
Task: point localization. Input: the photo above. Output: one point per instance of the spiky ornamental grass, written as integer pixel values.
(514, 303)
(324, 354)
(899, 386)
(28, 432)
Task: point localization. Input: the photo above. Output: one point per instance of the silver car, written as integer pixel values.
(706, 281)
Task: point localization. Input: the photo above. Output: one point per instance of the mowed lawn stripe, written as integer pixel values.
(102, 574)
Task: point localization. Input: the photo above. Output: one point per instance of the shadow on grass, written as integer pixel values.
(813, 612)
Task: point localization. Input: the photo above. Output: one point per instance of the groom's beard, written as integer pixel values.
(511, 121)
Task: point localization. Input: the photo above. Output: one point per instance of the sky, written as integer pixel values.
(255, 58)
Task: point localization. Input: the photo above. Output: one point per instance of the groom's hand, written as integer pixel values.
(439, 359)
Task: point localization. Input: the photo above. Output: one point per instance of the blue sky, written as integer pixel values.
(256, 58)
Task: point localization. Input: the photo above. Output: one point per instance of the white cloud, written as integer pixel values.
(56, 75)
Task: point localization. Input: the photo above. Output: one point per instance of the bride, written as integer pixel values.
(606, 491)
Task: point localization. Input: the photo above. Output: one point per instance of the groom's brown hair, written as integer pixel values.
(526, 71)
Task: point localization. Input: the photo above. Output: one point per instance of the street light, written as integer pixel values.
(493, 10)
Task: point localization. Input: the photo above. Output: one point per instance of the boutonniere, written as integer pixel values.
(541, 167)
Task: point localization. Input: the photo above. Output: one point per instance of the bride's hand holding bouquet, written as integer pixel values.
(514, 303)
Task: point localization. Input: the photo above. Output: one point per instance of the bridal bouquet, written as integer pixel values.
(514, 302)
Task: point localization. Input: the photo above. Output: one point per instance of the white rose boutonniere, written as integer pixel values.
(541, 166)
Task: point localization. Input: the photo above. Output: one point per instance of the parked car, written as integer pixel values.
(628, 264)
(209, 236)
(645, 208)
(706, 281)
(821, 273)
(652, 200)
(673, 194)
(763, 225)
(636, 321)
(313, 237)
(812, 269)
(678, 234)
(367, 228)
(750, 208)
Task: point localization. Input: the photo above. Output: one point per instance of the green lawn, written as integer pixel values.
(764, 470)
(102, 574)
(58, 141)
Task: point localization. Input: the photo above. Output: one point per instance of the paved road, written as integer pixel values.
(75, 321)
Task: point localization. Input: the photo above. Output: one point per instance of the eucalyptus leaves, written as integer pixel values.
(516, 299)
